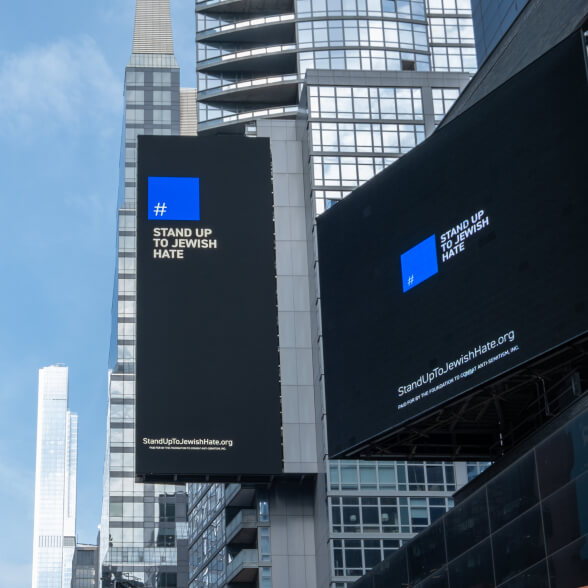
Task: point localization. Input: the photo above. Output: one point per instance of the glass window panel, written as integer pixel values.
(437, 580)
(563, 457)
(348, 477)
(565, 514)
(116, 508)
(518, 545)
(426, 552)
(372, 558)
(466, 524)
(474, 568)
(334, 476)
(569, 566)
(536, 577)
(435, 477)
(512, 492)
(387, 475)
(450, 474)
(367, 476)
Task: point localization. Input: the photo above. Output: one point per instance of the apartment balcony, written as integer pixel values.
(243, 567)
(270, 90)
(276, 59)
(269, 30)
(248, 7)
(244, 117)
(238, 495)
(242, 529)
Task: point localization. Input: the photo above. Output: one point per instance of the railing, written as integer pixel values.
(266, 112)
(246, 558)
(231, 491)
(260, 51)
(243, 517)
(250, 84)
(248, 23)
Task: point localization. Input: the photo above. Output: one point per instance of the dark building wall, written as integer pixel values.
(492, 18)
(528, 526)
(540, 26)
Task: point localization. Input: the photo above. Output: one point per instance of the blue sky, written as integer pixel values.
(61, 82)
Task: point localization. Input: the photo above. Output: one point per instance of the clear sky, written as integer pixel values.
(61, 81)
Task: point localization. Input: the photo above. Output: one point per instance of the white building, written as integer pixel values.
(55, 482)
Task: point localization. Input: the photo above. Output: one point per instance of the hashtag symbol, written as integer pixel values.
(160, 209)
(410, 280)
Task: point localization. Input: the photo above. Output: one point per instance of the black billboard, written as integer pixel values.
(463, 260)
(207, 390)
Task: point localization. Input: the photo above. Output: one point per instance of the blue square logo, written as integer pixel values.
(173, 198)
(419, 263)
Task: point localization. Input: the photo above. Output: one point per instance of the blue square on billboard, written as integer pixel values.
(173, 198)
(419, 263)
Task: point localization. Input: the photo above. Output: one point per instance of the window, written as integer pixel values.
(135, 116)
(161, 116)
(161, 78)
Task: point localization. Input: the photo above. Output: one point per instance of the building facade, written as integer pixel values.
(55, 482)
(252, 58)
(365, 82)
(143, 526)
(85, 569)
(525, 526)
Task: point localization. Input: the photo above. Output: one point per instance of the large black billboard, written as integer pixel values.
(465, 259)
(208, 393)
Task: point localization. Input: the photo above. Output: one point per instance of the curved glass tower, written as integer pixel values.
(252, 54)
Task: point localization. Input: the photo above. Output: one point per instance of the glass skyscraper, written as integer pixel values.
(55, 482)
(252, 57)
(143, 526)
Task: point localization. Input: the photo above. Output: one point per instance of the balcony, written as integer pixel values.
(242, 529)
(260, 7)
(244, 117)
(270, 30)
(271, 90)
(238, 495)
(277, 59)
(243, 567)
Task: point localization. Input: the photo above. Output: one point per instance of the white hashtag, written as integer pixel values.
(160, 209)
(410, 280)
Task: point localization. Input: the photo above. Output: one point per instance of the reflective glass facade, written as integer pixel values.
(85, 567)
(251, 61)
(55, 482)
(143, 526)
(527, 526)
(357, 129)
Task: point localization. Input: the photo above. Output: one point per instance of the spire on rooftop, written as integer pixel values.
(153, 32)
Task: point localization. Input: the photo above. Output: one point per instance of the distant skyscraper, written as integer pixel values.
(143, 526)
(55, 482)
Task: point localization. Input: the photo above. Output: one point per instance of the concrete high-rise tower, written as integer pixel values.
(143, 526)
(252, 56)
(55, 482)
